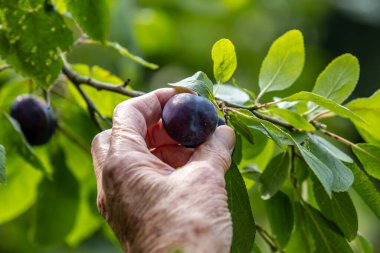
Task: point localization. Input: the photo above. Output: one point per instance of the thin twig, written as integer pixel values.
(270, 240)
(337, 137)
(78, 79)
(318, 115)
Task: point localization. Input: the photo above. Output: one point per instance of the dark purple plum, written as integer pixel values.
(221, 121)
(189, 119)
(36, 118)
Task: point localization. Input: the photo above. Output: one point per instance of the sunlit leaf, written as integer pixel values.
(224, 58)
(280, 214)
(369, 110)
(326, 103)
(362, 245)
(294, 119)
(199, 83)
(238, 203)
(21, 35)
(338, 79)
(283, 63)
(338, 209)
(369, 156)
(231, 94)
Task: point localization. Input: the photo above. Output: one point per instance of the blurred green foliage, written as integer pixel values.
(178, 36)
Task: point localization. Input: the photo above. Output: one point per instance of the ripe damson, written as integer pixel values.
(36, 118)
(221, 122)
(189, 119)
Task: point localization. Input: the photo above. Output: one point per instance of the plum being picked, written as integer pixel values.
(189, 119)
(36, 118)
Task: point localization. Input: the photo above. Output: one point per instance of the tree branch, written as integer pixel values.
(78, 79)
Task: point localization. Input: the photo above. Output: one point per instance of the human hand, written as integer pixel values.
(151, 206)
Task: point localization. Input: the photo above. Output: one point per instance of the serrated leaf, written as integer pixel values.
(366, 189)
(283, 63)
(199, 83)
(3, 178)
(369, 156)
(231, 94)
(92, 16)
(336, 152)
(294, 119)
(342, 176)
(57, 200)
(241, 127)
(21, 35)
(339, 209)
(369, 111)
(279, 210)
(13, 139)
(224, 58)
(244, 227)
(326, 103)
(326, 239)
(338, 79)
(274, 175)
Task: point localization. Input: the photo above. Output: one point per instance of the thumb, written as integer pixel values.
(215, 153)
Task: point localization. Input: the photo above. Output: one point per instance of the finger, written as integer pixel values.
(99, 150)
(173, 155)
(157, 136)
(133, 117)
(215, 153)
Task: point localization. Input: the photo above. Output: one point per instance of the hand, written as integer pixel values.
(150, 205)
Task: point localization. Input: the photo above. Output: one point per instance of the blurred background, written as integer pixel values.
(178, 36)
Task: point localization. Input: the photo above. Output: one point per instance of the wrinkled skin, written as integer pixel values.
(151, 206)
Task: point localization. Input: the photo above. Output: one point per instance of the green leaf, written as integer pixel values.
(57, 200)
(339, 209)
(366, 189)
(92, 16)
(336, 152)
(320, 170)
(326, 239)
(283, 63)
(21, 190)
(362, 245)
(338, 79)
(125, 52)
(324, 102)
(3, 178)
(369, 156)
(241, 127)
(279, 210)
(238, 150)
(199, 83)
(300, 239)
(231, 94)
(23, 31)
(369, 111)
(274, 175)
(13, 139)
(242, 219)
(294, 119)
(224, 58)
(342, 176)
